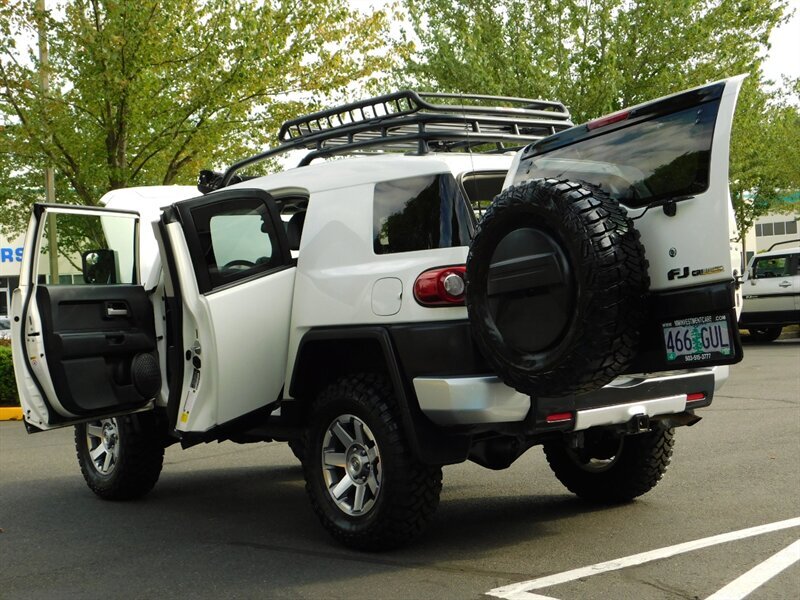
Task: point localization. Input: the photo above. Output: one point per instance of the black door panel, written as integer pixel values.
(95, 339)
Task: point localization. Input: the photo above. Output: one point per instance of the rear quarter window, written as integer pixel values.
(420, 213)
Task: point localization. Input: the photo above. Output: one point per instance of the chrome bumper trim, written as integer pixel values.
(622, 413)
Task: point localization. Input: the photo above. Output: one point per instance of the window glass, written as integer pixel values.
(791, 227)
(758, 230)
(420, 213)
(766, 228)
(780, 228)
(481, 188)
(667, 156)
(237, 239)
(101, 248)
(776, 266)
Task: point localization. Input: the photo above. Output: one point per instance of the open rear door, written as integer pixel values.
(84, 343)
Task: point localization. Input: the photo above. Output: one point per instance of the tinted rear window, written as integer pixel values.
(420, 213)
(667, 156)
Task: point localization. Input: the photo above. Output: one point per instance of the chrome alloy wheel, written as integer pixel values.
(102, 439)
(351, 465)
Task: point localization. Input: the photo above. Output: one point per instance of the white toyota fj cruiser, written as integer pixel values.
(358, 309)
(771, 291)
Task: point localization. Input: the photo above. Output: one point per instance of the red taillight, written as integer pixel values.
(443, 286)
(610, 119)
(696, 397)
(559, 417)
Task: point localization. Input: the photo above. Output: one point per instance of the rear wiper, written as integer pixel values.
(670, 205)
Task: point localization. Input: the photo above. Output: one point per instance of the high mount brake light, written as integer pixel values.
(609, 120)
(442, 286)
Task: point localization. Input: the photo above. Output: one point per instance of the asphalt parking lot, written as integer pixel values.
(233, 521)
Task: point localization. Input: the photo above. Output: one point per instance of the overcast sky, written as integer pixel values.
(784, 55)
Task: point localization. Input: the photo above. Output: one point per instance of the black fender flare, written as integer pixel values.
(431, 444)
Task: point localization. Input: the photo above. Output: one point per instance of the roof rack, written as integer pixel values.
(797, 241)
(412, 122)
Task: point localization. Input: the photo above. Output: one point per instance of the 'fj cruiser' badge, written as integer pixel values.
(684, 272)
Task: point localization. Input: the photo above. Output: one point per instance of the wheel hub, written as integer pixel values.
(109, 436)
(351, 465)
(358, 465)
(103, 445)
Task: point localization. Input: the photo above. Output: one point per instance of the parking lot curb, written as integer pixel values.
(10, 413)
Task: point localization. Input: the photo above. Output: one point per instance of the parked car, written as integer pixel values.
(771, 291)
(356, 308)
(5, 328)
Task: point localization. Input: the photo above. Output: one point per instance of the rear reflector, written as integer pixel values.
(559, 417)
(443, 286)
(695, 397)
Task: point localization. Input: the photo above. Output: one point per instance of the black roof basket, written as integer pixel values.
(411, 122)
(797, 241)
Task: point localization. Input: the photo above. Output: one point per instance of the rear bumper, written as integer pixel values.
(485, 400)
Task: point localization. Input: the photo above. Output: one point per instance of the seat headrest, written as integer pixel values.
(294, 229)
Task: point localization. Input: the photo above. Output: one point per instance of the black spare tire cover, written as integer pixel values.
(556, 279)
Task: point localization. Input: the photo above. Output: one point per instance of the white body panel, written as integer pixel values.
(148, 202)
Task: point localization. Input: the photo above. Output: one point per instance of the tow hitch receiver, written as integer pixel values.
(639, 424)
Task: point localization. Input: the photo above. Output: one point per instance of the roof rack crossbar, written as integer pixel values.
(409, 119)
(411, 140)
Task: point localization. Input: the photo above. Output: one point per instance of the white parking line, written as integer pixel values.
(522, 590)
(759, 575)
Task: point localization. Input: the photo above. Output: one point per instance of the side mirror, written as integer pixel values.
(100, 266)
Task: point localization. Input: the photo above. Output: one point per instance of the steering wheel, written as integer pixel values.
(237, 265)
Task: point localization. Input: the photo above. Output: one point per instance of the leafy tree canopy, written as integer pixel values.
(600, 56)
(149, 92)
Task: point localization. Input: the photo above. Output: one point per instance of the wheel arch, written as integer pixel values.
(327, 353)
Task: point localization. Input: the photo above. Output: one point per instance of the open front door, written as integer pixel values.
(84, 344)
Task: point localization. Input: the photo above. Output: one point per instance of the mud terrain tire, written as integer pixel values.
(632, 466)
(556, 279)
(120, 458)
(355, 440)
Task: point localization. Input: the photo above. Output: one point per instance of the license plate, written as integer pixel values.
(697, 338)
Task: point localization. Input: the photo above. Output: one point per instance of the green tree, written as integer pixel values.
(597, 56)
(765, 152)
(149, 92)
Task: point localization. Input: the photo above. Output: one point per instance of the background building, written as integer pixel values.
(10, 259)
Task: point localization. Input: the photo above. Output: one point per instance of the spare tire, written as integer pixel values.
(556, 280)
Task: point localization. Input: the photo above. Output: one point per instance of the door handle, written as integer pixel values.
(116, 312)
(784, 284)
